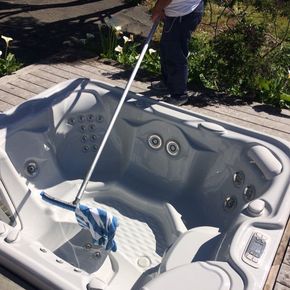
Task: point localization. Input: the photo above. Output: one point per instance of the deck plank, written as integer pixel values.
(36, 79)
(258, 120)
(279, 259)
(16, 91)
(279, 286)
(5, 106)
(284, 275)
(28, 86)
(248, 123)
(287, 256)
(100, 73)
(43, 74)
(60, 73)
(9, 98)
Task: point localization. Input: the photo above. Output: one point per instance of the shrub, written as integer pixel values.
(273, 80)
(199, 50)
(234, 59)
(151, 62)
(246, 60)
(109, 37)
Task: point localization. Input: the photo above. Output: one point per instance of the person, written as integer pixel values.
(180, 17)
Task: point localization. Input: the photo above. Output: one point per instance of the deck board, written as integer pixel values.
(34, 79)
(284, 275)
(9, 98)
(259, 122)
(279, 286)
(42, 73)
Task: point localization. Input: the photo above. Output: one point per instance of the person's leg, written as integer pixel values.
(167, 38)
(174, 50)
(188, 25)
(162, 86)
(172, 59)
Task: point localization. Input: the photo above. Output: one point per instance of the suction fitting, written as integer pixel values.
(239, 178)
(86, 148)
(230, 203)
(249, 193)
(100, 118)
(172, 148)
(72, 121)
(91, 118)
(31, 168)
(92, 127)
(155, 141)
(82, 118)
(85, 138)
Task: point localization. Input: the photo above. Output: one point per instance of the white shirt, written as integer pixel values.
(181, 7)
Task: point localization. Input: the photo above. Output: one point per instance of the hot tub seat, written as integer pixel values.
(186, 247)
(198, 275)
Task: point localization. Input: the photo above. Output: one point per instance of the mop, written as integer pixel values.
(101, 224)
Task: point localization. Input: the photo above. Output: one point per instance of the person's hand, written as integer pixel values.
(157, 14)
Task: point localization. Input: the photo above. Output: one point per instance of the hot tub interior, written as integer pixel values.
(187, 190)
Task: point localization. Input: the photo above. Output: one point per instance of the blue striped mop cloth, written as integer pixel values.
(100, 223)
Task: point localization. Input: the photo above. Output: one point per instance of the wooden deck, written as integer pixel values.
(34, 79)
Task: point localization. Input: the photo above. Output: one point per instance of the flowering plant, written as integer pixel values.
(8, 62)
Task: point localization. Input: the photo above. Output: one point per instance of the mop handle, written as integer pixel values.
(117, 111)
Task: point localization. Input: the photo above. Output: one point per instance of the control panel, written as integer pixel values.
(255, 249)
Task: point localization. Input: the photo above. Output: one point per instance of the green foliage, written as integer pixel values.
(243, 50)
(8, 62)
(108, 40)
(234, 59)
(248, 54)
(272, 82)
(199, 49)
(122, 47)
(151, 62)
(127, 54)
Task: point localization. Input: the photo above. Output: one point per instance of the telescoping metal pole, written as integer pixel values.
(114, 118)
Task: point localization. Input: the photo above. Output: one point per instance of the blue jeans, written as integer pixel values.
(174, 44)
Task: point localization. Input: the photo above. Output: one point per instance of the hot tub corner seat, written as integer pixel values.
(187, 246)
(210, 275)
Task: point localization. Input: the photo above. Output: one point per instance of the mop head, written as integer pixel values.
(101, 224)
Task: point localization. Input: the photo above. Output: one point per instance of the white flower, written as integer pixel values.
(126, 39)
(151, 50)
(119, 49)
(90, 36)
(118, 30)
(0, 52)
(6, 39)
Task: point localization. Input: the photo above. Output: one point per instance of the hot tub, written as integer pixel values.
(201, 204)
